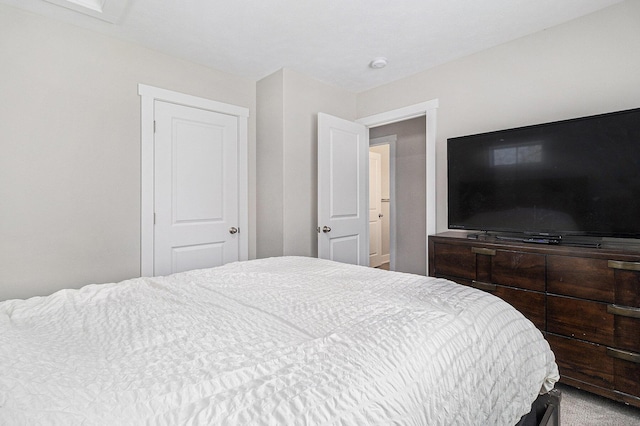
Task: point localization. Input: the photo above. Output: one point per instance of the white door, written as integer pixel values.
(343, 211)
(195, 188)
(375, 209)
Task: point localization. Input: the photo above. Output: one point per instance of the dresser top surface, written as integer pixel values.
(567, 246)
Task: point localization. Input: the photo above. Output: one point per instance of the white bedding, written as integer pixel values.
(275, 341)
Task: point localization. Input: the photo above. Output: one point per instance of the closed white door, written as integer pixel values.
(195, 188)
(375, 209)
(343, 210)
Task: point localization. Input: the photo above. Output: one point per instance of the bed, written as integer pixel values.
(288, 340)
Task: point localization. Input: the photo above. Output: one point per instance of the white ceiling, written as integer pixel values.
(331, 40)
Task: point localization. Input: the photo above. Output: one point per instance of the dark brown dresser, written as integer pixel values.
(586, 300)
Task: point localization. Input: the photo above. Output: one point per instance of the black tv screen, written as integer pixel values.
(572, 177)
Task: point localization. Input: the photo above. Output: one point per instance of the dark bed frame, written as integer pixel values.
(545, 410)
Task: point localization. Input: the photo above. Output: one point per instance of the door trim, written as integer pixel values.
(149, 94)
(428, 109)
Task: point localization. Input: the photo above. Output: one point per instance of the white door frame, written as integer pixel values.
(149, 95)
(428, 109)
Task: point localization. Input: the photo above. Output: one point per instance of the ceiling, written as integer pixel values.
(331, 40)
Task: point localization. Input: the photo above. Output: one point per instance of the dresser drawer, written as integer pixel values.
(626, 366)
(627, 283)
(454, 261)
(529, 303)
(581, 319)
(581, 277)
(597, 364)
(586, 362)
(518, 269)
(626, 327)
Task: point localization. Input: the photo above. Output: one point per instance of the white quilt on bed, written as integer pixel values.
(275, 341)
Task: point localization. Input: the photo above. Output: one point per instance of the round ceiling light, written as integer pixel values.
(378, 63)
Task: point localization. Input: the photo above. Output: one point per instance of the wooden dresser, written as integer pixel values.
(585, 300)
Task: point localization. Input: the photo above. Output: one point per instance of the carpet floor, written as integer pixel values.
(580, 408)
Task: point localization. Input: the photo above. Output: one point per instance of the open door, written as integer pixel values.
(343, 209)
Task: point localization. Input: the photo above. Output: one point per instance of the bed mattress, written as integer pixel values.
(288, 340)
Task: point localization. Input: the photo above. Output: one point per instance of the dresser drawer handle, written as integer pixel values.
(624, 311)
(481, 250)
(624, 355)
(629, 266)
(483, 286)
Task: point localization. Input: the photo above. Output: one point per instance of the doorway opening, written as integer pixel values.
(381, 183)
(403, 239)
(427, 111)
(348, 240)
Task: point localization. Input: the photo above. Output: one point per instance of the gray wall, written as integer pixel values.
(288, 170)
(587, 66)
(70, 144)
(70, 131)
(410, 192)
(270, 166)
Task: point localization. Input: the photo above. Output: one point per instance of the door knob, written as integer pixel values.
(380, 215)
(233, 230)
(326, 229)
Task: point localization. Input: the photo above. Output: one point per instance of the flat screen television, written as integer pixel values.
(566, 178)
